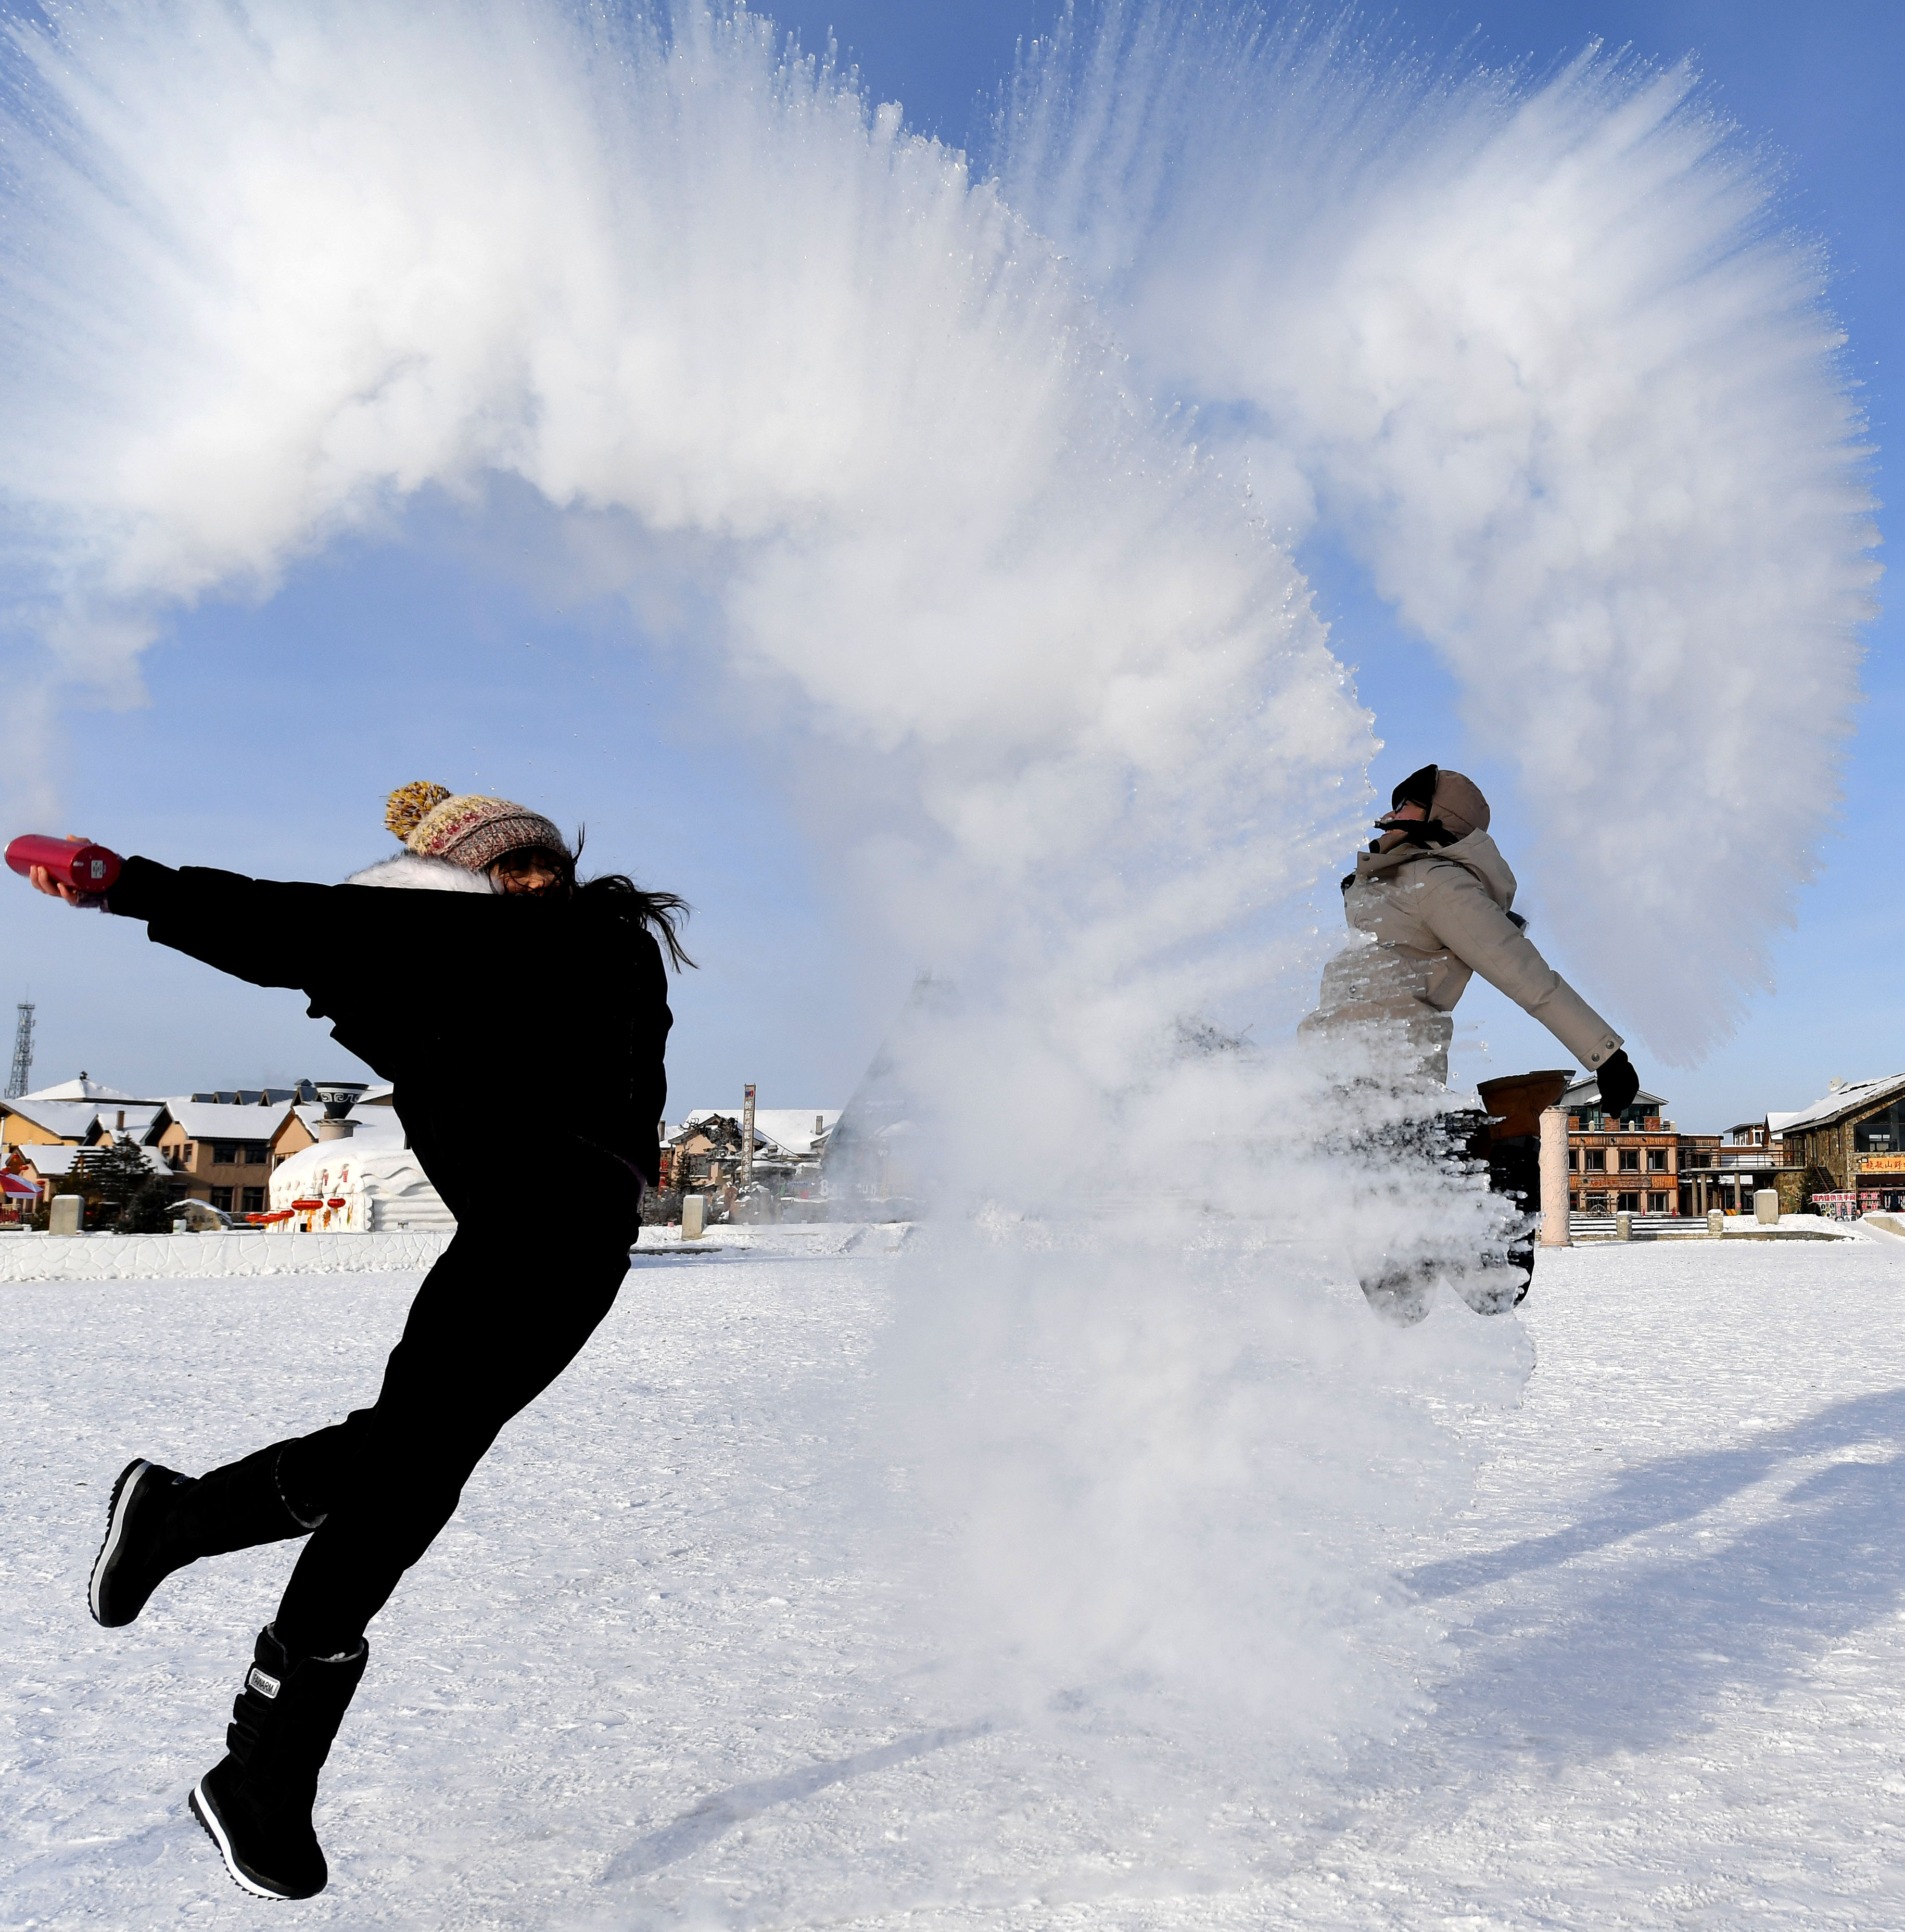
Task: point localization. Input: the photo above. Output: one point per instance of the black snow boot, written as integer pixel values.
(159, 1521)
(256, 1802)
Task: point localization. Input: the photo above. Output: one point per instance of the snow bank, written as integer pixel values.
(199, 1257)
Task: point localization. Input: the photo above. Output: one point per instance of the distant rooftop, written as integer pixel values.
(207, 1120)
(1849, 1096)
(792, 1129)
(84, 1088)
(70, 1119)
(1586, 1093)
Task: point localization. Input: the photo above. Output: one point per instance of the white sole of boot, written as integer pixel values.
(206, 1812)
(117, 1511)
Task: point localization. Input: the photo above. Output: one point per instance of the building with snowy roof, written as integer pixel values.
(1855, 1136)
(223, 1153)
(129, 1123)
(30, 1122)
(42, 1167)
(799, 1133)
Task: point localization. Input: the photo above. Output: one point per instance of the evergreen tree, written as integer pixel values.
(122, 1191)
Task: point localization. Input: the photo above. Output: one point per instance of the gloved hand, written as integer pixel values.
(1619, 1083)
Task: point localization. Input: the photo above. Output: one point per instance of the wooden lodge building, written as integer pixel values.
(1853, 1142)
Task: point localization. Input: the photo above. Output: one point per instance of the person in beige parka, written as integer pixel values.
(1431, 904)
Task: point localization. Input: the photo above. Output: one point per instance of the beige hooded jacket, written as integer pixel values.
(1432, 919)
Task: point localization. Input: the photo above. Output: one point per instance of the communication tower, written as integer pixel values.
(18, 1080)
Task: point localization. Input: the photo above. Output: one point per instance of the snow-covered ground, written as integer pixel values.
(655, 1674)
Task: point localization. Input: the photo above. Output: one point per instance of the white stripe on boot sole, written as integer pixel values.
(115, 1524)
(206, 1812)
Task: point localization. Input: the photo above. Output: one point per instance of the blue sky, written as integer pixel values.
(448, 649)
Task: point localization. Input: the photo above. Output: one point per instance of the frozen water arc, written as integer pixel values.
(1539, 350)
(667, 271)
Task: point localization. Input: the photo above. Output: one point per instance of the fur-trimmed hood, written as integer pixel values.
(417, 874)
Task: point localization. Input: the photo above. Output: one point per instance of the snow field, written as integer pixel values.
(667, 1666)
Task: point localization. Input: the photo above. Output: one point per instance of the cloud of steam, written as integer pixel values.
(270, 267)
(1540, 354)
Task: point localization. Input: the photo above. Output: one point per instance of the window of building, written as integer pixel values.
(1626, 1204)
(221, 1198)
(1573, 1159)
(1629, 1160)
(1657, 1160)
(1597, 1160)
(1882, 1133)
(1656, 1204)
(254, 1200)
(224, 1152)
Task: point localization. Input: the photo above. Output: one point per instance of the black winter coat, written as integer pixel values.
(459, 999)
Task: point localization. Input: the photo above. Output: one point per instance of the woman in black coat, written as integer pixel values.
(501, 975)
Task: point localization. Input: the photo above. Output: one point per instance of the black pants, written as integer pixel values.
(497, 1319)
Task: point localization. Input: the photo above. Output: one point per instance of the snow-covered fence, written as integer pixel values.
(143, 1257)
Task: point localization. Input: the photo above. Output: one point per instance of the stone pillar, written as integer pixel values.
(1765, 1206)
(67, 1214)
(1554, 1179)
(1716, 1222)
(1624, 1227)
(694, 1217)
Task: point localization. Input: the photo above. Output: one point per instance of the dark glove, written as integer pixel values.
(1619, 1083)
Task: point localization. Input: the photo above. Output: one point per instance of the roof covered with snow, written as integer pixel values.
(1586, 1093)
(207, 1120)
(789, 1129)
(50, 1161)
(70, 1119)
(81, 1089)
(1853, 1097)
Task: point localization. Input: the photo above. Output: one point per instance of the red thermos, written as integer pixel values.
(86, 868)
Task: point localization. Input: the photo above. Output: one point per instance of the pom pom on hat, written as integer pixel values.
(469, 828)
(405, 807)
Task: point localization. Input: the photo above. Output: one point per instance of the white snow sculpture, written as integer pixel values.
(367, 1184)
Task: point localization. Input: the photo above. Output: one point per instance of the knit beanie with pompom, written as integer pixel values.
(466, 828)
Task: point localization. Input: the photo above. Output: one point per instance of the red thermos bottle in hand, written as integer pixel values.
(86, 868)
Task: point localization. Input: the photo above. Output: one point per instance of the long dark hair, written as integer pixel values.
(657, 912)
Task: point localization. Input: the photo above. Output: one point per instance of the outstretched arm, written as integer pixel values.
(1463, 915)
